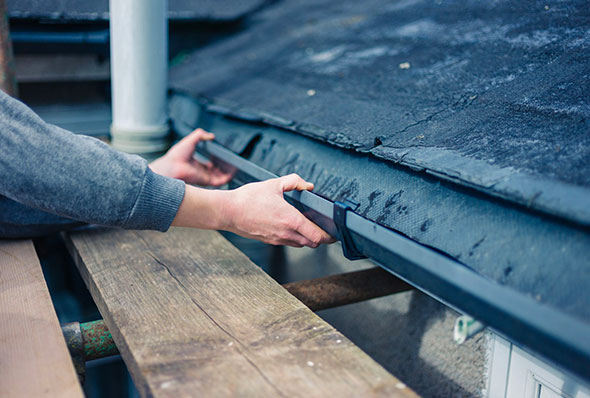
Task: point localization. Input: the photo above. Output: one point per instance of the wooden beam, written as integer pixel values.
(192, 315)
(35, 68)
(34, 359)
(7, 78)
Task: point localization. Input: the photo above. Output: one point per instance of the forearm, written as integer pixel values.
(203, 208)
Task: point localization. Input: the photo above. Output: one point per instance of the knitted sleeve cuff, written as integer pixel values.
(157, 203)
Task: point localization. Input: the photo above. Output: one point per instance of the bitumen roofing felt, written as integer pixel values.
(97, 10)
(492, 95)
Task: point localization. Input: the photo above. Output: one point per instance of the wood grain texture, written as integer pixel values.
(34, 359)
(192, 315)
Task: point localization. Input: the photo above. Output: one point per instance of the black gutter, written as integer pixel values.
(555, 336)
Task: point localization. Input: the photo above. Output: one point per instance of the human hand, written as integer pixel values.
(179, 163)
(259, 211)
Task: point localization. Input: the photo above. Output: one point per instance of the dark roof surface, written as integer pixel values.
(492, 95)
(97, 10)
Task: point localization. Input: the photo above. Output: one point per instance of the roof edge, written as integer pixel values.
(549, 196)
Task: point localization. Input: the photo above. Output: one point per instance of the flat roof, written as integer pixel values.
(98, 10)
(490, 95)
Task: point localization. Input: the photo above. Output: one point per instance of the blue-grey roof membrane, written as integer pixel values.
(491, 95)
(98, 10)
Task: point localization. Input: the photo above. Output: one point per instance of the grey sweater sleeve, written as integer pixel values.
(81, 178)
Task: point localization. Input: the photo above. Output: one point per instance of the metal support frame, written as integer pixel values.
(98, 341)
(73, 336)
(558, 337)
(88, 341)
(348, 288)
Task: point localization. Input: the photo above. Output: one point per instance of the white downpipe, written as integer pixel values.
(139, 75)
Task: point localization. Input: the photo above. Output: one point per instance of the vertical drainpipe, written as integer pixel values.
(7, 73)
(139, 75)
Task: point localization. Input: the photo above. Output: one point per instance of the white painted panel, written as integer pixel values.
(546, 392)
(528, 377)
(498, 367)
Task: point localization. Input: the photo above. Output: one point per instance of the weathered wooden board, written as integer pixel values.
(192, 315)
(34, 359)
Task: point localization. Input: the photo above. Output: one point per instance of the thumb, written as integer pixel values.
(198, 135)
(294, 182)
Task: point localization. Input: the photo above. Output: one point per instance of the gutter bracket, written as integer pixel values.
(340, 211)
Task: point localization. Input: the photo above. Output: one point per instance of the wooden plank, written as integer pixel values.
(34, 359)
(192, 315)
(34, 68)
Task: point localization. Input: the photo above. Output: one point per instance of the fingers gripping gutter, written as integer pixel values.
(293, 182)
(257, 211)
(304, 231)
